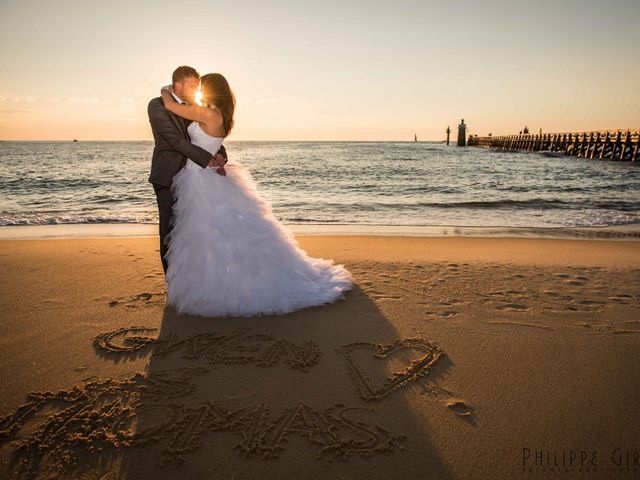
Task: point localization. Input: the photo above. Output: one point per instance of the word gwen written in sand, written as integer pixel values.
(264, 350)
(238, 347)
(90, 423)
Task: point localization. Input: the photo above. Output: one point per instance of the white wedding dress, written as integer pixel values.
(229, 256)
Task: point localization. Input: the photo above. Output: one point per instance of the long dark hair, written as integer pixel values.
(216, 91)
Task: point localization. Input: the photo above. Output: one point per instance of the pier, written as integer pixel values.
(618, 145)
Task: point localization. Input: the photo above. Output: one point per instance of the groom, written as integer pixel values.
(173, 147)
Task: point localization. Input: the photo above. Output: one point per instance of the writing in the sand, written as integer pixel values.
(61, 430)
(237, 347)
(93, 420)
(265, 350)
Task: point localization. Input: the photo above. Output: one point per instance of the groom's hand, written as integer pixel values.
(221, 171)
(217, 160)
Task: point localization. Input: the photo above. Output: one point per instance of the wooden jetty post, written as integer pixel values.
(448, 132)
(617, 145)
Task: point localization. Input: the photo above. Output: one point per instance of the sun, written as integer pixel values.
(198, 98)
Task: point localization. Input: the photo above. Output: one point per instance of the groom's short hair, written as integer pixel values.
(183, 72)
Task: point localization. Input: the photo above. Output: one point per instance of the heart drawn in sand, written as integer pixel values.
(416, 369)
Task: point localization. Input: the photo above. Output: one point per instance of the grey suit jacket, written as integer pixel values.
(173, 145)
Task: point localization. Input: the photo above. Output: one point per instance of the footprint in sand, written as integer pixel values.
(497, 294)
(517, 292)
(514, 307)
(622, 299)
(142, 299)
(449, 301)
(551, 293)
(459, 408)
(382, 296)
(591, 302)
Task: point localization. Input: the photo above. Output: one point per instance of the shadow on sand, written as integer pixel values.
(275, 396)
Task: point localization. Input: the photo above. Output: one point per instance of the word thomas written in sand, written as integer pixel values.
(237, 347)
(89, 423)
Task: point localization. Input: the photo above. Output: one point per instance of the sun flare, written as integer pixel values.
(198, 98)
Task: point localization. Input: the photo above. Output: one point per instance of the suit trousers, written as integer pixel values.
(165, 202)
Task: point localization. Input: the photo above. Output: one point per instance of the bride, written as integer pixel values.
(227, 253)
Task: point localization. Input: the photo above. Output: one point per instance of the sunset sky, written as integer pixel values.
(331, 70)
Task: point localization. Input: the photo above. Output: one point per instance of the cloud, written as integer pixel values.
(270, 100)
(82, 100)
(12, 111)
(16, 98)
(258, 100)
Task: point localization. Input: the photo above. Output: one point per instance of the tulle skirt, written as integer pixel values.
(229, 256)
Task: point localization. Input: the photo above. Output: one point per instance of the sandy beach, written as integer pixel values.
(452, 358)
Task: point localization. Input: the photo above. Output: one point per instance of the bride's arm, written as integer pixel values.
(190, 112)
(175, 107)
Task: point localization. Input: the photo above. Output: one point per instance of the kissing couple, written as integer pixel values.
(223, 251)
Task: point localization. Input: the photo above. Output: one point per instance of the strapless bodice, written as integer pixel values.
(202, 139)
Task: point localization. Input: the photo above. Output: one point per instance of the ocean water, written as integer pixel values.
(326, 183)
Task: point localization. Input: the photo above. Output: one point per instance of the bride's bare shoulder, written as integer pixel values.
(214, 120)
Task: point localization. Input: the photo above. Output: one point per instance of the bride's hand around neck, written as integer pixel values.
(210, 119)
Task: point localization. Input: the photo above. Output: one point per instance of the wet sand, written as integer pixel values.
(452, 357)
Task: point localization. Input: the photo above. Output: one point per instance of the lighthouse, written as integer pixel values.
(462, 134)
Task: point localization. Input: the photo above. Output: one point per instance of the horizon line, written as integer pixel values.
(255, 140)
